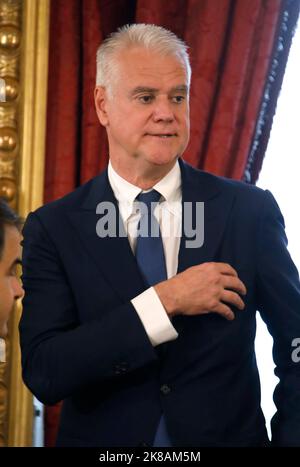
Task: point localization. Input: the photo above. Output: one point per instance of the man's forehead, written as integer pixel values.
(12, 239)
(147, 61)
(180, 88)
(139, 68)
(11, 253)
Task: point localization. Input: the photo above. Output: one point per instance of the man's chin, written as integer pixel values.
(162, 159)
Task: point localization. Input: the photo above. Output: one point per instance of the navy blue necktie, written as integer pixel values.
(151, 261)
(149, 247)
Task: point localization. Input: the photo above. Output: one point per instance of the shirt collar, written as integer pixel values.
(125, 192)
(169, 185)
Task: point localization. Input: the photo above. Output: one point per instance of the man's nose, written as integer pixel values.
(163, 111)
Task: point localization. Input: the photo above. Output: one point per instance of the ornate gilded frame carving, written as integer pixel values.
(24, 30)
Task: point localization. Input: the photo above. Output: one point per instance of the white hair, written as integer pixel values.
(149, 36)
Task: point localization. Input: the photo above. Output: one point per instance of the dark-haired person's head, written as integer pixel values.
(10, 257)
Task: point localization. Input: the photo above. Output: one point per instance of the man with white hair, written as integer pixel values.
(141, 322)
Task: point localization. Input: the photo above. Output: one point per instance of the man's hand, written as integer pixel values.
(205, 288)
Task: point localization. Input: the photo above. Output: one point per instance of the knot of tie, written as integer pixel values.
(150, 197)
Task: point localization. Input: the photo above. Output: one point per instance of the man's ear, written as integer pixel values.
(100, 95)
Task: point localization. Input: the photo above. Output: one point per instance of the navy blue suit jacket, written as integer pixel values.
(83, 342)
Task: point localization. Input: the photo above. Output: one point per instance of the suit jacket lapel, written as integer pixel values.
(198, 186)
(113, 255)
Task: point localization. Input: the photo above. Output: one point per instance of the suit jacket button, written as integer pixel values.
(165, 389)
(121, 368)
(124, 366)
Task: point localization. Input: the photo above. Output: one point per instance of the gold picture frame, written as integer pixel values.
(24, 47)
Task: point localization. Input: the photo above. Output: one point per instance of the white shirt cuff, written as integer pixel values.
(154, 317)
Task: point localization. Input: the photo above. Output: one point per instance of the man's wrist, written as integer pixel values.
(167, 297)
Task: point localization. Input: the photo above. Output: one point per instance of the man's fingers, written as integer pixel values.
(224, 311)
(221, 268)
(234, 283)
(225, 268)
(233, 298)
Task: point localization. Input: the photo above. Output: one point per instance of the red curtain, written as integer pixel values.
(231, 45)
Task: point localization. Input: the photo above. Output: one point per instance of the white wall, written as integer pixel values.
(281, 175)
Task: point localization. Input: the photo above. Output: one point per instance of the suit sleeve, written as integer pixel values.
(279, 304)
(59, 354)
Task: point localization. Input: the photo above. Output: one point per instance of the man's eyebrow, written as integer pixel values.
(16, 262)
(141, 89)
(181, 88)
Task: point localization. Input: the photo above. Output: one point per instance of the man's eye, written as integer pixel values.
(15, 271)
(178, 99)
(146, 99)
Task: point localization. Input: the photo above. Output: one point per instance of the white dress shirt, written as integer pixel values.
(169, 214)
